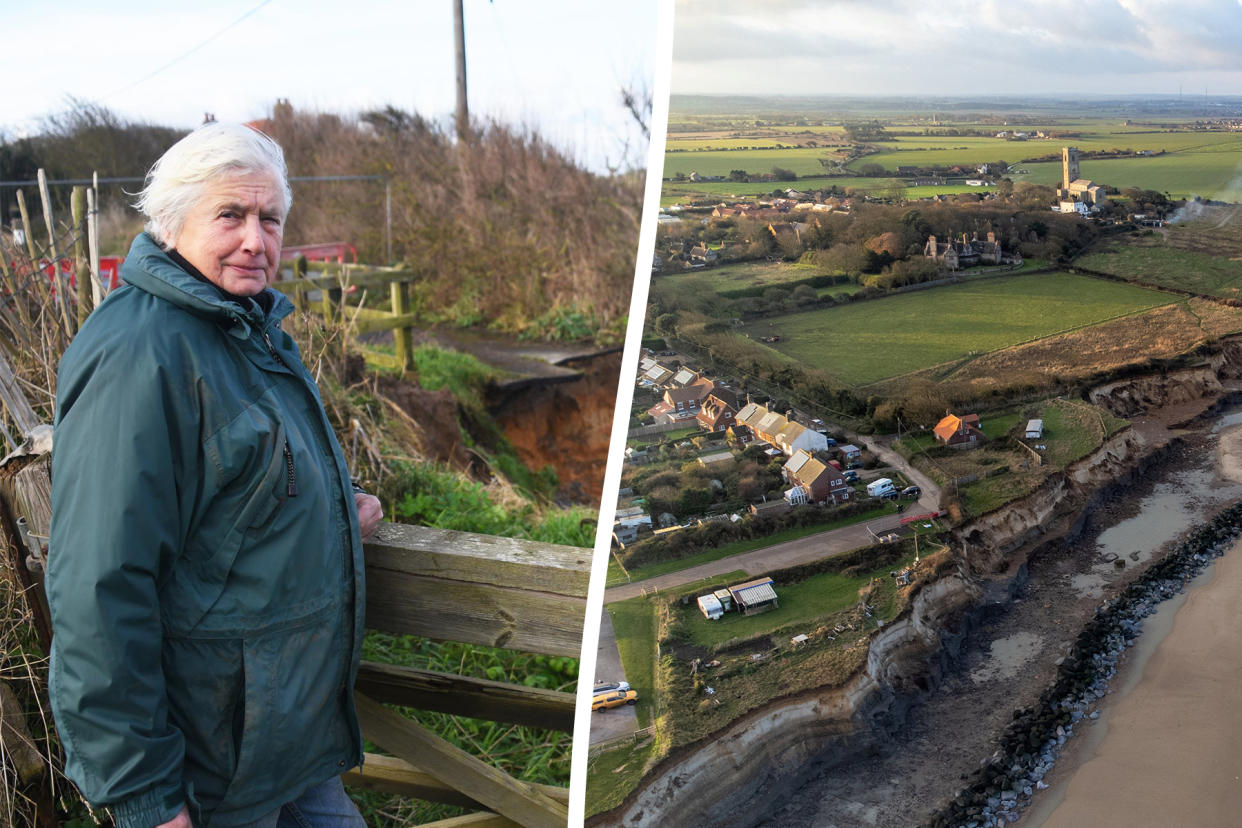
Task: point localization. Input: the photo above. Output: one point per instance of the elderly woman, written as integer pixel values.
(206, 568)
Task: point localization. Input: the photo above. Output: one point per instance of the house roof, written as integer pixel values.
(751, 411)
(658, 374)
(754, 592)
(952, 424)
(947, 427)
(800, 458)
(689, 393)
(685, 376)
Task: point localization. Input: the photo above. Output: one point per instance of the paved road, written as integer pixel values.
(620, 721)
(802, 550)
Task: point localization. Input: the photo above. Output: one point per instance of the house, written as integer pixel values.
(820, 482)
(684, 377)
(658, 374)
(754, 597)
(779, 430)
(1034, 429)
(678, 404)
(960, 432)
(715, 414)
(964, 252)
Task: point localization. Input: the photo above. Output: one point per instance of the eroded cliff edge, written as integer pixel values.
(719, 779)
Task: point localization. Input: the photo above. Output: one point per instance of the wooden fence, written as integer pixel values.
(453, 586)
(333, 287)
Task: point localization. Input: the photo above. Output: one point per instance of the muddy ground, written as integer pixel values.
(1009, 658)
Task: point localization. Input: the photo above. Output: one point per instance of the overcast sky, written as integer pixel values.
(557, 65)
(955, 47)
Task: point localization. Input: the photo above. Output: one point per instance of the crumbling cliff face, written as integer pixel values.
(567, 425)
(712, 783)
(717, 781)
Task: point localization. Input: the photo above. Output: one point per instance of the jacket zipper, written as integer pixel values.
(291, 487)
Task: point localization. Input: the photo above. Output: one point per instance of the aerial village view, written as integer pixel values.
(935, 428)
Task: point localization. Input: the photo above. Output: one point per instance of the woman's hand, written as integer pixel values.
(181, 820)
(370, 512)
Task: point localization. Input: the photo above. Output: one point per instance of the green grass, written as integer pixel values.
(613, 774)
(737, 548)
(869, 341)
(1170, 267)
(800, 603)
(634, 623)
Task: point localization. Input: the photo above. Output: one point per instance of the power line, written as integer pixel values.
(185, 55)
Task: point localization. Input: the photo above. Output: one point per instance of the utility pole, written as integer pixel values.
(463, 114)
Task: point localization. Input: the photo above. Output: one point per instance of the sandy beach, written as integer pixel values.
(1171, 753)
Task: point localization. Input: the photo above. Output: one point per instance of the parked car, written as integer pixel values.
(608, 701)
(854, 464)
(851, 477)
(911, 491)
(610, 686)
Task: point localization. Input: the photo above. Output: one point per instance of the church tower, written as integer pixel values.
(1069, 166)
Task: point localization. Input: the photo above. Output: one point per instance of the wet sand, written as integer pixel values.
(1167, 749)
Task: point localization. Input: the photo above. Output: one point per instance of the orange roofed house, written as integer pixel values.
(962, 432)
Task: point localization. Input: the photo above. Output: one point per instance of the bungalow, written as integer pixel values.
(658, 374)
(684, 377)
(957, 431)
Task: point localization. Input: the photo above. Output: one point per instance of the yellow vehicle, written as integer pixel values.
(604, 701)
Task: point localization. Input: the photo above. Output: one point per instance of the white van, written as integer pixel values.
(882, 487)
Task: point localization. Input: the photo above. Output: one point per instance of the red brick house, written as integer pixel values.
(959, 431)
(821, 482)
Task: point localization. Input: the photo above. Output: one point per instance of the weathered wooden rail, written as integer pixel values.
(332, 289)
(453, 586)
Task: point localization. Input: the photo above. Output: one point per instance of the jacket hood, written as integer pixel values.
(150, 269)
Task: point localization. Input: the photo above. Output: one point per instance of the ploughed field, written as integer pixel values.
(865, 342)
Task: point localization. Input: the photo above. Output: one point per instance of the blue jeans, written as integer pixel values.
(325, 805)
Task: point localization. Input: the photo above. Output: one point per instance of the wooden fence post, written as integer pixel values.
(299, 292)
(82, 272)
(403, 338)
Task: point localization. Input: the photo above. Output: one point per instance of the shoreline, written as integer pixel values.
(1162, 750)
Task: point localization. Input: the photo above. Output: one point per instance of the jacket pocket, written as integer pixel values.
(198, 581)
(293, 719)
(206, 690)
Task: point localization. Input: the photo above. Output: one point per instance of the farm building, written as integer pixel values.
(754, 597)
(959, 432)
(1034, 429)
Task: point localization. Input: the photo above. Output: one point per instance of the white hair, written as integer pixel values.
(177, 180)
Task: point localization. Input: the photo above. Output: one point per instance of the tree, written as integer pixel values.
(738, 175)
(782, 174)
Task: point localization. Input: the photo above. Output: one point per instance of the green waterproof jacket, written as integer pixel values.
(205, 563)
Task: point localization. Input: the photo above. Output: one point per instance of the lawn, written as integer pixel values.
(745, 274)
(869, 341)
(802, 603)
(634, 624)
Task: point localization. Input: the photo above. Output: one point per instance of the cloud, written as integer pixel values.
(954, 46)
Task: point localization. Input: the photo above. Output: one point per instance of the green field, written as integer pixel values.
(744, 275)
(869, 341)
(1193, 163)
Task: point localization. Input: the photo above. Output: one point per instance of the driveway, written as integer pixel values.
(620, 721)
